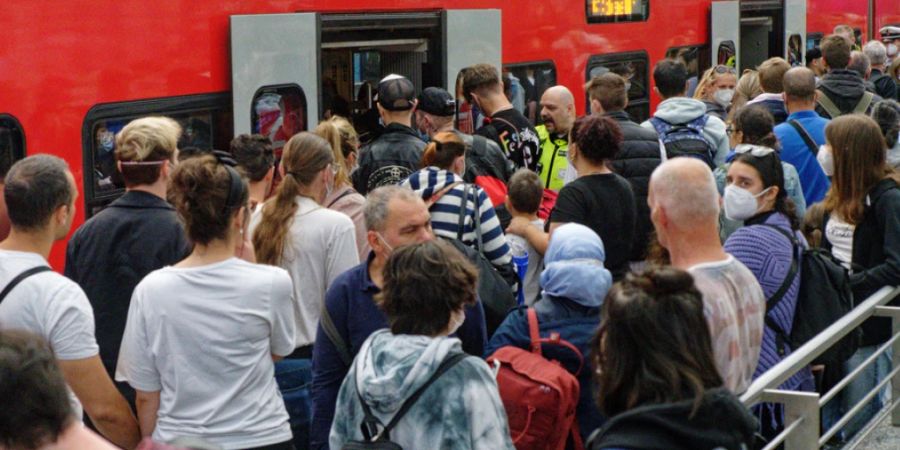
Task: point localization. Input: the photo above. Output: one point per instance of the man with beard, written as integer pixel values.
(558, 115)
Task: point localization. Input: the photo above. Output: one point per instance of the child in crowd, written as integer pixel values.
(523, 200)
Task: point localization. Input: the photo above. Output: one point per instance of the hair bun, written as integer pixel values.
(668, 280)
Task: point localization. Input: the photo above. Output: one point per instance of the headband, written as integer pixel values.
(236, 189)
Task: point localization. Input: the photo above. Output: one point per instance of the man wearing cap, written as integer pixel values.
(394, 155)
(486, 165)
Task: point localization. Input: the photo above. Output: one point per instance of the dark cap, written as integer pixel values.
(396, 93)
(437, 101)
(813, 53)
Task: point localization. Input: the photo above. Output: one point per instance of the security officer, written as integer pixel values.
(558, 115)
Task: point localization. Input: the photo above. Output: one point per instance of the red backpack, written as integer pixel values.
(539, 395)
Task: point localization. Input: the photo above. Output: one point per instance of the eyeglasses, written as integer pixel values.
(754, 150)
(723, 69)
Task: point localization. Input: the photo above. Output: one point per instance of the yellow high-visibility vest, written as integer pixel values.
(553, 163)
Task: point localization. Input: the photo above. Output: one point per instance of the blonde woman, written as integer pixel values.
(747, 89)
(341, 196)
(716, 90)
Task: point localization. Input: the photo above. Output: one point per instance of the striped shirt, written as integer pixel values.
(445, 212)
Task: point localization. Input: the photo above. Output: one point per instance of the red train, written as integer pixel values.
(73, 73)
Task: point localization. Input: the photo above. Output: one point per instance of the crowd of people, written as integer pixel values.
(336, 296)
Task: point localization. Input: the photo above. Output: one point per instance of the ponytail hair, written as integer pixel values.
(443, 150)
(757, 125)
(304, 156)
(329, 131)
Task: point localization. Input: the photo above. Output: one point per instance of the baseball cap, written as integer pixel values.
(437, 101)
(396, 93)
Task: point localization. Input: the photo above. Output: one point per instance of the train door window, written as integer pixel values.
(278, 112)
(206, 122)
(633, 66)
(795, 50)
(525, 83)
(726, 54)
(12, 143)
(813, 40)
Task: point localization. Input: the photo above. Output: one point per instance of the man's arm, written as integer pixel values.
(105, 406)
(147, 408)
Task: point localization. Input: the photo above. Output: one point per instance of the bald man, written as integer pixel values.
(684, 208)
(803, 132)
(558, 115)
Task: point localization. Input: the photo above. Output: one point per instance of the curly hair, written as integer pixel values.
(598, 138)
(423, 285)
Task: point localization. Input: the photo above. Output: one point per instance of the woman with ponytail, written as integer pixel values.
(339, 133)
(294, 231)
(770, 245)
(458, 210)
(201, 335)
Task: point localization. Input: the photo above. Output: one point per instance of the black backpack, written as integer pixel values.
(825, 296)
(382, 441)
(686, 139)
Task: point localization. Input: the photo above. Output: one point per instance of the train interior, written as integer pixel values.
(746, 33)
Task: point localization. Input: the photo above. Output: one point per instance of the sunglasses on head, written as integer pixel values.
(758, 151)
(722, 69)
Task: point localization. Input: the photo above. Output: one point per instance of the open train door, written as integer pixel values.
(275, 74)
(795, 31)
(471, 36)
(725, 30)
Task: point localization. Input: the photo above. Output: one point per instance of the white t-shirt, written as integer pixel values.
(50, 305)
(321, 246)
(204, 336)
(532, 281)
(734, 306)
(840, 234)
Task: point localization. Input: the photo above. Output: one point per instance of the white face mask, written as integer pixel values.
(826, 160)
(741, 204)
(724, 96)
(456, 320)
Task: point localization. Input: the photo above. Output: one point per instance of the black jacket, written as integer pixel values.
(113, 251)
(721, 421)
(876, 254)
(388, 160)
(885, 87)
(636, 160)
(845, 88)
(776, 107)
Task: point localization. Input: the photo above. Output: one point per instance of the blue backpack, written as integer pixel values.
(686, 139)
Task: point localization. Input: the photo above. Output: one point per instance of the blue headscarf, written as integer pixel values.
(573, 266)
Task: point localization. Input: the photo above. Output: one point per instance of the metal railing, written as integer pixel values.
(802, 409)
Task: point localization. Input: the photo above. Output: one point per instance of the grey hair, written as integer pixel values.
(859, 62)
(377, 201)
(686, 189)
(876, 51)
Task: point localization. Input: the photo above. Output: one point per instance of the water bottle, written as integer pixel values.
(519, 247)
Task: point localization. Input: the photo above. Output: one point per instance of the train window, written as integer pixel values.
(12, 143)
(206, 122)
(610, 11)
(279, 112)
(633, 66)
(813, 40)
(526, 84)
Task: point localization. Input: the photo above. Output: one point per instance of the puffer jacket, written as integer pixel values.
(388, 160)
(639, 156)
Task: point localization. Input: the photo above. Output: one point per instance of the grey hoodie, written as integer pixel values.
(461, 410)
(679, 110)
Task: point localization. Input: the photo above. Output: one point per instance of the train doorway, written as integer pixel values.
(291, 70)
(747, 32)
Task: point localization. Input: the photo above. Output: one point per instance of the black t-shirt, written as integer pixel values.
(605, 204)
(516, 137)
